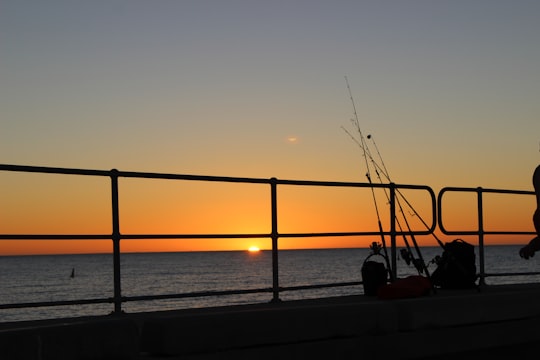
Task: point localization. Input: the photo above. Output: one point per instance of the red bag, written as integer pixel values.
(408, 287)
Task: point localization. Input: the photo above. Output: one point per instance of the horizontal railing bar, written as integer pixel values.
(488, 190)
(281, 235)
(53, 170)
(487, 232)
(195, 294)
(235, 292)
(54, 237)
(320, 286)
(191, 236)
(176, 296)
(355, 233)
(152, 175)
(513, 274)
(56, 303)
(204, 236)
(148, 175)
(349, 184)
(58, 170)
(125, 237)
(326, 183)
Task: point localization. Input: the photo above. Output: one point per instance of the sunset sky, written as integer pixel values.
(449, 91)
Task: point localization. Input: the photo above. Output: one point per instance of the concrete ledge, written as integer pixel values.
(19, 345)
(466, 308)
(513, 339)
(457, 342)
(276, 325)
(457, 323)
(449, 321)
(99, 339)
(365, 347)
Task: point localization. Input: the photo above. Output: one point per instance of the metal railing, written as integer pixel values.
(480, 230)
(116, 236)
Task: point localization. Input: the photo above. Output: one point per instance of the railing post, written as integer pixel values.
(116, 242)
(393, 255)
(275, 236)
(481, 235)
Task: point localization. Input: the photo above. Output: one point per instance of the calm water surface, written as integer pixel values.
(48, 277)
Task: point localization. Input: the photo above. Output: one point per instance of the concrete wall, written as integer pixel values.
(464, 324)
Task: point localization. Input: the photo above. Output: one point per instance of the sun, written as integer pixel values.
(254, 249)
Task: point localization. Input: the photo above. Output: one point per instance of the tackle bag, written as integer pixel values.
(374, 273)
(456, 268)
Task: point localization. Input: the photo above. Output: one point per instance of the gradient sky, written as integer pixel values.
(448, 89)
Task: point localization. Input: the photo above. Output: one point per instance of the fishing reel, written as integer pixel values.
(375, 248)
(409, 259)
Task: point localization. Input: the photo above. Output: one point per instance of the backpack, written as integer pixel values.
(456, 268)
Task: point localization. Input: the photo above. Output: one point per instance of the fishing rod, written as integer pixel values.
(407, 254)
(415, 213)
(419, 263)
(384, 171)
(368, 175)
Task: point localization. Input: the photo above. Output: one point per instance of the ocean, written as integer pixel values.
(43, 278)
